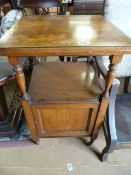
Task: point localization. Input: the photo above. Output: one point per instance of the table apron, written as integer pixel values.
(71, 51)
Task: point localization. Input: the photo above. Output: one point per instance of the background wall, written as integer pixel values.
(119, 13)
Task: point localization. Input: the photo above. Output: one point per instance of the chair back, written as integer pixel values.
(89, 7)
(2, 2)
(42, 7)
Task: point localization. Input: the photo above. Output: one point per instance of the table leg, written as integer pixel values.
(20, 77)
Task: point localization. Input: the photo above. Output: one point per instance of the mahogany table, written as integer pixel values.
(64, 99)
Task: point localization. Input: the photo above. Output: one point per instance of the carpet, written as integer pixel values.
(12, 95)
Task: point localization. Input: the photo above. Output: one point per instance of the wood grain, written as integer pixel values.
(57, 82)
(35, 35)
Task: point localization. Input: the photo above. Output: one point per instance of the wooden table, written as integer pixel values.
(64, 99)
(89, 7)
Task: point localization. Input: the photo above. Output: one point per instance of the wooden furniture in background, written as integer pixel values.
(65, 39)
(89, 7)
(43, 7)
(14, 4)
(117, 123)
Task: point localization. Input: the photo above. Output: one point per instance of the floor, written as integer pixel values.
(63, 156)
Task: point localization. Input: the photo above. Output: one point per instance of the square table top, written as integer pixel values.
(68, 35)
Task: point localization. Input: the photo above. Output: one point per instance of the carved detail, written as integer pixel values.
(111, 74)
(20, 77)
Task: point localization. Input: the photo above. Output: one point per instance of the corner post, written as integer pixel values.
(20, 77)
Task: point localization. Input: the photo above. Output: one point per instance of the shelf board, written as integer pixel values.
(64, 82)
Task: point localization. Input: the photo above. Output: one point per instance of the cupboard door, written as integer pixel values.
(60, 119)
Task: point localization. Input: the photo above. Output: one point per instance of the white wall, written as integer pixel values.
(119, 13)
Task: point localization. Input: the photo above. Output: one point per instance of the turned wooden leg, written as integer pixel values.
(114, 60)
(111, 74)
(30, 120)
(20, 77)
(21, 80)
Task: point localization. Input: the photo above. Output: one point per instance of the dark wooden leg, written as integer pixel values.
(25, 98)
(74, 59)
(61, 58)
(109, 143)
(68, 59)
(90, 59)
(109, 123)
(31, 61)
(126, 84)
(45, 59)
(3, 105)
(14, 4)
(98, 73)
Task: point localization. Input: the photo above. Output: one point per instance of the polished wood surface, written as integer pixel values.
(35, 35)
(64, 82)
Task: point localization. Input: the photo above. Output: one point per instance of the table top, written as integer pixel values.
(68, 35)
